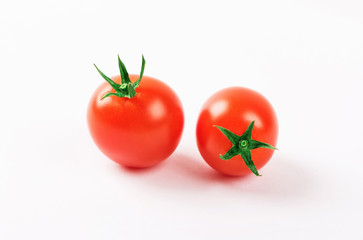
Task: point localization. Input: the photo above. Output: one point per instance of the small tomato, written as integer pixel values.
(236, 131)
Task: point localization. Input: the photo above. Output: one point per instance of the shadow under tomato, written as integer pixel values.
(198, 170)
(135, 170)
(178, 171)
(281, 178)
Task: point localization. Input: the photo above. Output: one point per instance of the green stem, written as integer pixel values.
(126, 88)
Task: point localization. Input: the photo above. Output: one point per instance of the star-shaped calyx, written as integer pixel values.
(242, 145)
(126, 88)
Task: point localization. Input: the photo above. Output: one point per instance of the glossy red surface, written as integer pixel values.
(137, 132)
(234, 108)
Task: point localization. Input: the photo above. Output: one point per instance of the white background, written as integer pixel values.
(305, 56)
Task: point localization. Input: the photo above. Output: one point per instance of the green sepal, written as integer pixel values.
(136, 83)
(126, 88)
(109, 94)
(242, 145)
(230, 135)
(125, 79)
(256, 144)
(248, 133)
(233, 151)
(246, 156)
(114, 85)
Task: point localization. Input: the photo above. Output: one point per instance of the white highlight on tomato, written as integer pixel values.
(157, 110)
(218, 107)
(253, 117)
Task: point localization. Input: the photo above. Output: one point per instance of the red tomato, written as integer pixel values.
(237, 112)
(140, 131)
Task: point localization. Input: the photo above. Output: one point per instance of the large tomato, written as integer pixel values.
(236, 131)
(135, 123)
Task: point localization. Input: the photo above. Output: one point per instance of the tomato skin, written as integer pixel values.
(235, 108)
(140, 131)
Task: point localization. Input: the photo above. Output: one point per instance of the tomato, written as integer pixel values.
(236, 131)
(135, 123)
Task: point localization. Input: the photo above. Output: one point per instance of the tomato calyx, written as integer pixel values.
(242, 145)
(126, 88)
